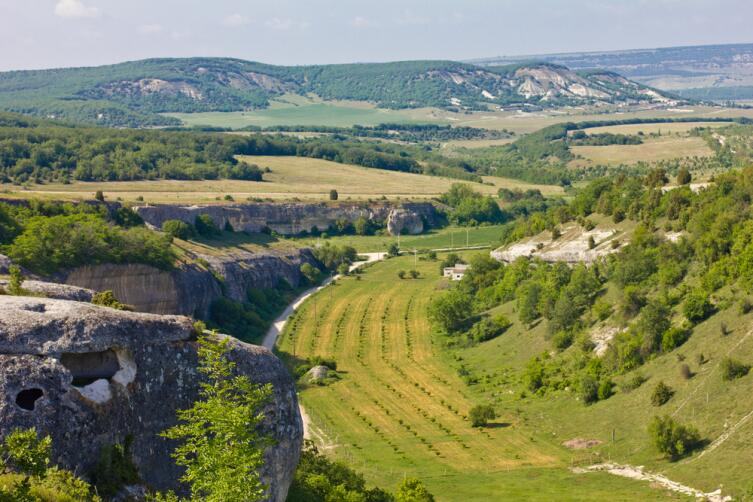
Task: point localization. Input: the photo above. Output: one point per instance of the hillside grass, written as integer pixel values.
(652, 150)
(291, 177)
(659, 128)
(399, 409)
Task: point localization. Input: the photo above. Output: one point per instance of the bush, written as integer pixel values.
(697, 306)
(107, 299)
(661, 394)
(333, 195)
(414, 274)
(16, 280)
(633, 382)
(481, 414)
(343, 269)
(673, 338)
(732, 369)
(401, 274)
(393, 249)
(206, 227)
(589, 389)
(179, 229)
(606, 389)
(412, 490)
(685, 372)
(312, 274)
(673, 439)
(562, 339)
(115, 469)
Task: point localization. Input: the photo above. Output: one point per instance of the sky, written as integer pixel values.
(61, 33)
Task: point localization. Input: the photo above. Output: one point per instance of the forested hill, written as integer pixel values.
(134, 93)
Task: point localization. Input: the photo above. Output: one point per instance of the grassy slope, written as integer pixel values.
(652, 150)
(291, 177)
(399, 409)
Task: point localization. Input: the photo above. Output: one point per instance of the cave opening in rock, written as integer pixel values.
(27, 397)
(88, 367)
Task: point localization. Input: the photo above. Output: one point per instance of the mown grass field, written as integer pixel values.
(399, 409)
(291, 177)
(652, 150)
(663, 128)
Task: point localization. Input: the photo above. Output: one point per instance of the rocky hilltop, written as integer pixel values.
(90, 376)
(294, 218)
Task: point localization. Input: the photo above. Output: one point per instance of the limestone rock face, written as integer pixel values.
(89, 376)
(404, 222)
(283, 218)
(191, 289)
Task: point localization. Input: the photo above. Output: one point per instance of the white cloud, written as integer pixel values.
(151, 29)
(75, 9)
(236, 20)
(284, 24)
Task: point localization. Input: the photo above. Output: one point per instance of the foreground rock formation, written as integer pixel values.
(294, 218)
(90, 376)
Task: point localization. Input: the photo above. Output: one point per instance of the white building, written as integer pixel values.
(457, 272)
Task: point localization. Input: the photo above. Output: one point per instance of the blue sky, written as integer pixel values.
(56, 33)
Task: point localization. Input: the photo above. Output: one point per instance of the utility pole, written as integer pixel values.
(452, 240)
(415, 259)
(466, 238)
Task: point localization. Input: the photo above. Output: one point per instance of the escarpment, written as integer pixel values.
(191, 288)
(295, 218)
(91, 376)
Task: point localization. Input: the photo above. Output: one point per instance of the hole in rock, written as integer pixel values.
(27, 397)
(88, 367)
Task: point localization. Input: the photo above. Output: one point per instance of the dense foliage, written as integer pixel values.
(48, 237)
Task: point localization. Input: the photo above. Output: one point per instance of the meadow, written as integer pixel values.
(290, 178)
(652, 150)
(400, 407)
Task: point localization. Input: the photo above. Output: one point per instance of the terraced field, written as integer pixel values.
(400, 409)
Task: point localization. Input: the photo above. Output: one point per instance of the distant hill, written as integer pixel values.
(708, 72)
(134, 93)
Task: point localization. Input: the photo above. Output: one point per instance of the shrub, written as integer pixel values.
(16, 280)
(589, 389)
(685, 372)
(661, 394)
(745, 306)
(562, 339)
(414, 274)
(697, 306)
(393, 249)
(333, 195)
(606, 389)
(412, 490)
(179, 229)
(206, 227)
(107, 299)
(591, 242)
(99, 196)
(401, 274)
(683, 176)
(673, 338)
(481, 414)
(311, 273)
(672, 439)
(115, 469)
(732, 369)
(343, 269)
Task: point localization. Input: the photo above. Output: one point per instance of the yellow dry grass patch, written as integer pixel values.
(663, 128)
(652, 150)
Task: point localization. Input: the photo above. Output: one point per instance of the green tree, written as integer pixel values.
(206, 227)
(697, 306)
(661, 394)
(333, 195)
(362, 226)
(683, 176)
(451, 310)
(99, 196)
(221, 446)
(412, 490)
(481, 414)
(393, 249)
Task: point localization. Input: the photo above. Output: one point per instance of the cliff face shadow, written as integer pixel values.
(235, 239)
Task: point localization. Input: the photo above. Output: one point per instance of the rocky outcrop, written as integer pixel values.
(90, 376)
(191, 288)
(402, 221)
(54, 290)
(293, 218)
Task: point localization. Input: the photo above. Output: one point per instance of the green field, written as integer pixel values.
(447, 237)
(400, 407)
(652, 150)
(298, 110)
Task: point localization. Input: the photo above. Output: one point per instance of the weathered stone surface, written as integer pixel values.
(132, 372)
(55, 290)
(404, 222)
(191, 289)
(5, 264)
(283, 218)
